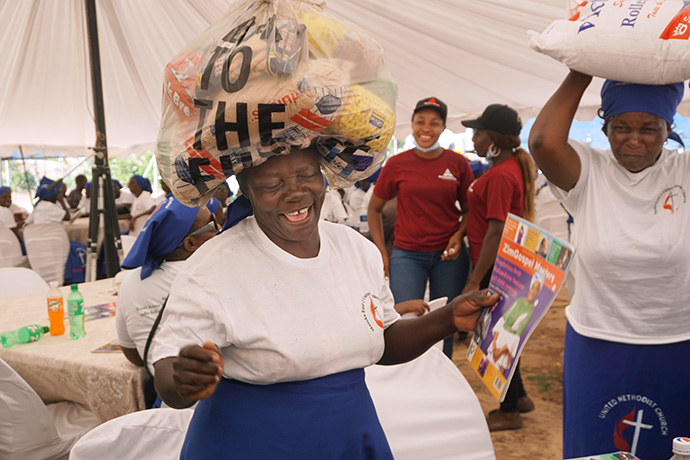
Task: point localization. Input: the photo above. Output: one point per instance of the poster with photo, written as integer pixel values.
(530, 269)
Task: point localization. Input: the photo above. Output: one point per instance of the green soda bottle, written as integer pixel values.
(23, 335)
(75, 309)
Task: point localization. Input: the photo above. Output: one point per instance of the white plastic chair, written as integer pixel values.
(153, 434)
(429, 411)
(20, 280)
(47, 247)
(30, 429)
(10, 249)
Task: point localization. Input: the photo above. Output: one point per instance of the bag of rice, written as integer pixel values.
(636, 41)
(267, 77)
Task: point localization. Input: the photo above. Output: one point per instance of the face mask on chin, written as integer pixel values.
(433, 147)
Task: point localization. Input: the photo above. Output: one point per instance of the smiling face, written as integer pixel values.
(6, 199)
(427, 126)
(286, 193)
(637, 139)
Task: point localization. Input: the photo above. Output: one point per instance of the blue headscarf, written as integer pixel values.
(4, 190)
(162, 233)
(660, 100)
(143, 182)
(47, 188)
(117, 182)
(374, 177)
(88, 186)
(213, 205)
(238, 210)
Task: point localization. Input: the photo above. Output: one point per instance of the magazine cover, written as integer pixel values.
(111, 347)
(529, 270)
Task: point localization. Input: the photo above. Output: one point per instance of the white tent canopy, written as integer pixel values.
(468, 53)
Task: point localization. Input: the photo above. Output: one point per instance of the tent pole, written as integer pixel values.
(26, 175)
(100, 180)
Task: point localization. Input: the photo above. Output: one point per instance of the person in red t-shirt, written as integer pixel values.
(429, 182)
(507, 186)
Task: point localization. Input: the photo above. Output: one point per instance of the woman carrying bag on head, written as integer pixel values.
(627, 323)
(507, 186)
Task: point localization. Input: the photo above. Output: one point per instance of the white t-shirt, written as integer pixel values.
(142, 203)
(7, 218)
(333, 209)
(277, 317)
(85, 204)
(139, 302)
(632, 258)
(46, 212)
(126, 198)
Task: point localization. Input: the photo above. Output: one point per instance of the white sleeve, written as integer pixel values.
(193, 315)
(124, 308)
(55, 213)
(571, 197)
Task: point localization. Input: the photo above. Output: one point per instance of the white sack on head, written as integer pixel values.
(270, 76)
(636, 41)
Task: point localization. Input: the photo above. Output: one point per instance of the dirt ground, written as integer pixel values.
(541, 367)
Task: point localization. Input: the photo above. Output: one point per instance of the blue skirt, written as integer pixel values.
(617, 396)
(331, 417)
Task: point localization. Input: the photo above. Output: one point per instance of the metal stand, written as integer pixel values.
(103, 205)
(102, 194)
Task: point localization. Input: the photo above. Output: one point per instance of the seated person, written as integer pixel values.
(75, 196)
(48, 211)
(51, 207)
(143, 203)
(123, 200)
(85, 202)
(6, 216)
(19, 214)
(169, 237)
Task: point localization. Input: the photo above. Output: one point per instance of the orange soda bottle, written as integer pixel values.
(56, 310)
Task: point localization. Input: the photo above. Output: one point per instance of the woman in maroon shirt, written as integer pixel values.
(507, 186)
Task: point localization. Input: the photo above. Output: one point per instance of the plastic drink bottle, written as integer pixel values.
(56, 310)
(681, 449)
(23, 335)
(75, 308)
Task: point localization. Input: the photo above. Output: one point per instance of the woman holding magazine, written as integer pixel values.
(507, 186)
(627, 319)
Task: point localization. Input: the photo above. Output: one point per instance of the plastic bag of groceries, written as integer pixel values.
(269, 76)
(636, 41)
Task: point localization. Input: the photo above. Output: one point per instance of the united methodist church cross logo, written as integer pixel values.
(630, 421)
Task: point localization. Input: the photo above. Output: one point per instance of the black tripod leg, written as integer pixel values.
(111, 240)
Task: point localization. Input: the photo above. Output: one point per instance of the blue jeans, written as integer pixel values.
(410, 271)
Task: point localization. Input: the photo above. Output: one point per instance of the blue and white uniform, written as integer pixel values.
(295, 332)
(627, 320)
